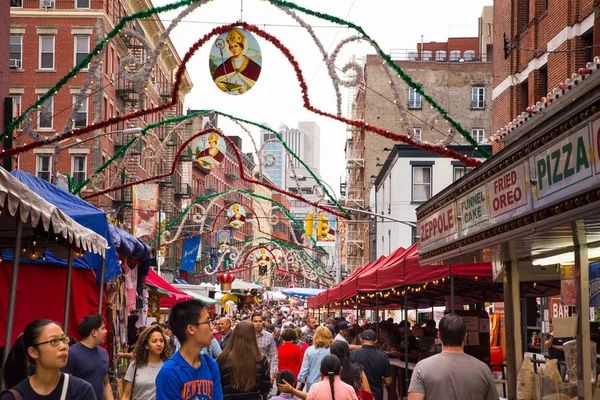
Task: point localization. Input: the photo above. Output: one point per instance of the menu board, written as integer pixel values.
(474, 211)
(509, 194)
(563, 168)
(438, 228)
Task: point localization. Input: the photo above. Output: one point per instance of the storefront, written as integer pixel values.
(531, 210)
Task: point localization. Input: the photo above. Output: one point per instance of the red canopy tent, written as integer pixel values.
(176, 294)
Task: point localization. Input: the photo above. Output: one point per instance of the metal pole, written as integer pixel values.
(8, 141)
(377, 313)
(159, 235)
(512, 320)
(452, 294)
(101, 291)
(581, 275)
(12, 298)
(356, 319)
(68, 290)
(406, 382)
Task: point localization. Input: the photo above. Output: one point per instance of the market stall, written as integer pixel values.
(541, 197)
(34, 230)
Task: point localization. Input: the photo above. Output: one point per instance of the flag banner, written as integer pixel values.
(190, 253)
(145, 207)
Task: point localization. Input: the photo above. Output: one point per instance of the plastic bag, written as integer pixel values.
(526, 381)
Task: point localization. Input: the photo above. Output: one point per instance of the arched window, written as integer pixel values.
(455, 55)
(469, 55)
(426, 55)
(440, 55)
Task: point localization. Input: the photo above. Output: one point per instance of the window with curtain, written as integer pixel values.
(16, 51)
(82, 48)
(421, 183)
(78, 168)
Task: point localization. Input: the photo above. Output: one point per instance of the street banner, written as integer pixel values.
(326, 227)
(595, 284)
(190, 253)
(568, 293)
(145, 207)
(342, 232)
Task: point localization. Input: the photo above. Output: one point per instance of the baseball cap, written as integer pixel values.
(369, 335)
(343, 326)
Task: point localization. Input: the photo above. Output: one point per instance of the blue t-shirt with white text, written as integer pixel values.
(178, 380)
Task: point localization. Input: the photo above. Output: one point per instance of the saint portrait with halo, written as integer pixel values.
(239, 72)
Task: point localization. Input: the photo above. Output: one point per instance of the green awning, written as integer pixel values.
(205, 299)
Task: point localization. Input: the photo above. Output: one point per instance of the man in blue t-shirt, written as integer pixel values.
(187, 375)
(87, 360)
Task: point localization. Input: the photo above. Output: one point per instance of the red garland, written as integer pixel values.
(240, 165)
(273, 40)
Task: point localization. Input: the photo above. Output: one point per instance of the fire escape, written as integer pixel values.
(356, 194)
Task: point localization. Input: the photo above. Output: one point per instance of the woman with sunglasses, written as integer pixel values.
(151, 350)
(32, 370)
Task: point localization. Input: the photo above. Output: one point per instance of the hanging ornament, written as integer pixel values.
(225, 280)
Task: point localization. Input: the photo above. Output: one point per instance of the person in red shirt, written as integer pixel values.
(290, 354)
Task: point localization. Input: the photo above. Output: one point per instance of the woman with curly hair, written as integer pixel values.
(151, 350)
(244, 368)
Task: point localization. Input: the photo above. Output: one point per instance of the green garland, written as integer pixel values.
(124, 148)
(280, 3)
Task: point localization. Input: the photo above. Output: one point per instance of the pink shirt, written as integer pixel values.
(322, 390)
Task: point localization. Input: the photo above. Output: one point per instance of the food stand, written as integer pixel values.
(529, 208)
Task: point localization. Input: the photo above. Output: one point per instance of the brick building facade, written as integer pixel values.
(526, 76)
(48, 38)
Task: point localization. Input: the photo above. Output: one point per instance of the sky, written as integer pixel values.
(276, 97)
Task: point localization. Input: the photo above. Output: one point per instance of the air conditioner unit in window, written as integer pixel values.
(47, 3)
(14, 63)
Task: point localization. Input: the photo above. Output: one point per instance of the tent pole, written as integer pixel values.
(581, 274)
(356, 319)
(406, 382)
(12, 298)
(68, 290)
(377, 313)
(101, 291)
(452, 294)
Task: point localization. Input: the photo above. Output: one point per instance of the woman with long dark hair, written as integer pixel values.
(151, 351)
(351, 373)
(32, 370)
(244, 368)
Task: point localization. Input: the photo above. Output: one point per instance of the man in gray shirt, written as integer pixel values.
(452, 374)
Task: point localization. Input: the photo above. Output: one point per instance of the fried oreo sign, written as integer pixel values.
(439, 228)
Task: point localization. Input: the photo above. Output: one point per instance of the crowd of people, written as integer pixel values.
(248, 357)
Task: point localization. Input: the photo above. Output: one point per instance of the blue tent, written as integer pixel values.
(302, 292)
(83, 213)
(128, 246)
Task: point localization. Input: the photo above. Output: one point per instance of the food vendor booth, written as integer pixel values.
(531, 211)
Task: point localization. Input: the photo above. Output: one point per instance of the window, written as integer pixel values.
(440, 55)
(421, 183)
(44, 167)
(460, 171)
(478, 97)
(82, 48)
(78, 168)
(45, 113)
(46, 51)
(414, 99)
(82, 3)
(81, 116)
(455, 55)
(426, 55)
(469, 55)
(16, 51)
(413, 55)
(16, 3)
(417, 133)
(478, 134)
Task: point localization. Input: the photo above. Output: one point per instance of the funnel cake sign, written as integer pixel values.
(438, 228)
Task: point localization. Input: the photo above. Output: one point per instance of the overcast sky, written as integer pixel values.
(276, 99)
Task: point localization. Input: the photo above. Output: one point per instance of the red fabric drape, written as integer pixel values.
(176, 294)
(41, 294)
